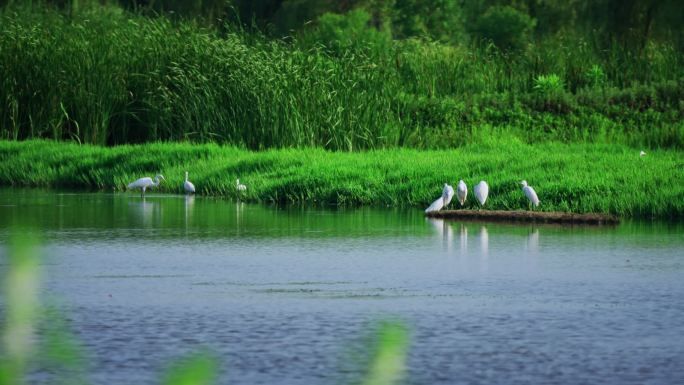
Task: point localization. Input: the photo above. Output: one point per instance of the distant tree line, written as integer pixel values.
(508, 23)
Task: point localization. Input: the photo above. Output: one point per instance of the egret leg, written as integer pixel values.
(142, 194)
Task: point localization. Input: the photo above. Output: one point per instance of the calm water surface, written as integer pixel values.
(288, 296)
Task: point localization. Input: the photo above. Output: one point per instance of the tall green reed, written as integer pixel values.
(105, 76)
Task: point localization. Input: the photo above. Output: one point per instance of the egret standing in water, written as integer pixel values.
(530, 193)
(481, 191)
(239, 186)
(444, 200)
(188, 186)
(144, 183)
(462, 191)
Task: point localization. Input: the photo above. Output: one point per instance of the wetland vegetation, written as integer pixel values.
(384, 74)
(604, 178)
(358, 102)
(494, 91)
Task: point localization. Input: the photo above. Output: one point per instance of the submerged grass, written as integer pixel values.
(582, 178)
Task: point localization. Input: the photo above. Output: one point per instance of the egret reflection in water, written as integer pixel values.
(443, 230)
(463, 238)
(188, 208)
(484, 249)
(532, 242)
(239, 208)
(143, 210)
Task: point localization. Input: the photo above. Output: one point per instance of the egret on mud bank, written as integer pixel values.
(144, 183)
(188, 186)
(530, 193)
(462, 191)
(239, 186)
(481, 191)
(447, 194)
(444, 200)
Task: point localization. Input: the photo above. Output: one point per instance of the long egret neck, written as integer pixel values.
(187, 185)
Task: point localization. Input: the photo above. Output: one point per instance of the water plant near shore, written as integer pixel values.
(579, 178)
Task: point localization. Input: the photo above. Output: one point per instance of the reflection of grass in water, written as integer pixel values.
(60, 356)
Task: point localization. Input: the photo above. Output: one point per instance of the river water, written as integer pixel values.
(291, 295)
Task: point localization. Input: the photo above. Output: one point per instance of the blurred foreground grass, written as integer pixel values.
(57, 350)
(21, 308)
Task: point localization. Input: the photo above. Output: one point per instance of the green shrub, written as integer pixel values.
(595, 76)
(507, 27)
(550, 94)
(350, 31)
(548, 85)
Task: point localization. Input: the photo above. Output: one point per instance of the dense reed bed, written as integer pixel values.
(579, 178)
(106, 76)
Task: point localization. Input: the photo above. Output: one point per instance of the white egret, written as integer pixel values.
(642, 153)
(435, 206)
(447, 194)
(530, 193)
(481, 191)
(239, 186)
(144, 183)
(188, 186)
(462, 191)
(444, 200)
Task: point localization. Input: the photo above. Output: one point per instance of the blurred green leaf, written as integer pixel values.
(197, 369)
(388, 363)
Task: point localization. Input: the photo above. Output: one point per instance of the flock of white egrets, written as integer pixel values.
(144, 183)
(481, 191)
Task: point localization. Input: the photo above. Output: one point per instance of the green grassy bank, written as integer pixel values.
(106, 76)
(577, 178)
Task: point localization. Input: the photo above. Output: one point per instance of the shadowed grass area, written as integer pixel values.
(580, 178)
